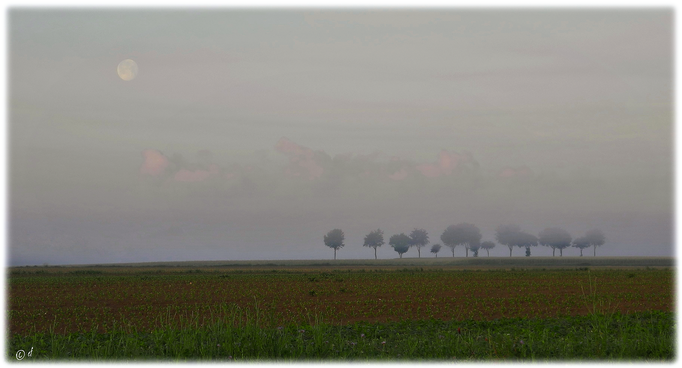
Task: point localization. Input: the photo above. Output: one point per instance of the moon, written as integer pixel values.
(127, 69)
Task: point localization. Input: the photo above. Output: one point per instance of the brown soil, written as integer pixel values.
(79, 303)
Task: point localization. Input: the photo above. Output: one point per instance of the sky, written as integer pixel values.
(249, 134)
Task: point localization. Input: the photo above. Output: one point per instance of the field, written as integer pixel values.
(359, 310)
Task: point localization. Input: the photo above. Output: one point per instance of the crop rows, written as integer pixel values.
(77, 303)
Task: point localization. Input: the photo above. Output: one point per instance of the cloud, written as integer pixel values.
(303, 162)
(347, 170)
(447, 164)
(155, 163)
(185, 175)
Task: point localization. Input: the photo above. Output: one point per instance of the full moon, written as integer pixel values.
(127, 69)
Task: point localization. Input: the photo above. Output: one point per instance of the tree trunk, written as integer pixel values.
(334, 253)
(375, 252)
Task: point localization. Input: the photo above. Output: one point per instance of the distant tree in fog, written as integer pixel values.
(506, 235)
(474, 247)
(555, 238)
(461, 234)
(435, 249)
(512, 236)
(488, 245)
(581, 243)
(596, 238)
(419, 238)
(400, 243)
(526, 240)
(374, 239)
(334, 239)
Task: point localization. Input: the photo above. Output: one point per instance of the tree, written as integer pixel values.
(474, 247)
(435, 249)
(419, 238)
(506, 235)
(596, 238)
(464, 234)
(334, 239)
(526, 240)
(511, 236)
(556, 238)
(581, 243)
(488, 245)
(374, 239)
(401, 243)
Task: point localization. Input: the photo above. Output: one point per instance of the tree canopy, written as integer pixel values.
(526, 240)
(400, 243)
(555, 238)
(474, 247)
(461, 234)
(506, 235)
(374, 239)
(596, 238)
(511, 236)
(419, 238)
(581, 243)
(334, 239)
(488, 245)
(435, 249)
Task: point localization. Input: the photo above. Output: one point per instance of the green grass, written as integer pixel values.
(637, 336)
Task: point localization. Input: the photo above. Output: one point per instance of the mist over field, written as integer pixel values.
(251, 134)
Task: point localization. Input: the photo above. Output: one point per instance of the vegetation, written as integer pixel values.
(469, 235)
(488, 245)
(506, 235)
(334, 239)
(435, 249)
(581, 243)
(461, 234)
(419, 238)
(401, 314)
(640, 336)
(511, 236)
(374, 240)
(595, 238)
(556, 238)
(400, 243)
(474, 247)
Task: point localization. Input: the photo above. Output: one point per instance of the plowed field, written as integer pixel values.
(70, 302)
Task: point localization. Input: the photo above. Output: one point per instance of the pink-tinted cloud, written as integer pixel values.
(302, 161)
(515, 172)
(155, 163)
(447, 163)
(429, 170)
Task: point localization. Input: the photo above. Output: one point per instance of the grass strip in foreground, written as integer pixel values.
(636, 336)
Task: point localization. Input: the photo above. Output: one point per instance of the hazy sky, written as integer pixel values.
(248, 134)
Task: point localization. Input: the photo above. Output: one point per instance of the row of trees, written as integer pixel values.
(469, 236)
